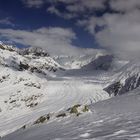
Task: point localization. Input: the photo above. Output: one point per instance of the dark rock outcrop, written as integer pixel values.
(119, 88)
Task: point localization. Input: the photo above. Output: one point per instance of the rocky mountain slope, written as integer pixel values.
(32, 59)
(30, 88)
(37, 90)
(125, 79)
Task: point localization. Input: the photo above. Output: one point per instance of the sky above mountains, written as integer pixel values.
(73, 26)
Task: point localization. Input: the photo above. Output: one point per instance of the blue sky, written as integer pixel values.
(73, 26)
(26, 18)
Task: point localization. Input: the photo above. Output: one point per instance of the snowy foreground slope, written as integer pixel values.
(114, 119)
(42, 99)
(30, 88)
(22, 105)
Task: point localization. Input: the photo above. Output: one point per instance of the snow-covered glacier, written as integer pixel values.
(47, 98)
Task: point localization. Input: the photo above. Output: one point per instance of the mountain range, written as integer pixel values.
(40, 93)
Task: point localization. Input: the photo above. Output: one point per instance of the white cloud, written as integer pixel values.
(91, 23)
(82, 5)
(75, 8)
(120, 35)
(56, 41)
(33, 3)
(125, 5)
(6, 21)
(54, 10)
(118, 32)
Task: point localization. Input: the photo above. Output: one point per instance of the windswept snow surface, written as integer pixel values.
(113, 119)
(24, 97)
(32, 85)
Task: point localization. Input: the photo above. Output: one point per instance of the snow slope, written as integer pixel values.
(28, 97)
(26, 94)
(114, 119)
(32, 84)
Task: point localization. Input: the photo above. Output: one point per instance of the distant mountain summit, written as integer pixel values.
(36, 51)
(31, 59)
(78, 62)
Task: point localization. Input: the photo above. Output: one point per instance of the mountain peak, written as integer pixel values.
(31, 59)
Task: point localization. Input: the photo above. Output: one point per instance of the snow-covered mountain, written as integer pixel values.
(32, 59)
(73, 62)
(77, 62)
(125, 79)
(38, 92)
(29, 88)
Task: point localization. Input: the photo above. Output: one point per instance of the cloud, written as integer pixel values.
(56, 41)
(125, 5)
(75, 8)
(71, 8)
(7, 21)
(54, 10)
(122, 34)
(85, 5)
(91, 23)
(118, 32)
(114, 24)
(33, 3)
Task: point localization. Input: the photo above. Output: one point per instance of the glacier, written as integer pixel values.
(33, 84)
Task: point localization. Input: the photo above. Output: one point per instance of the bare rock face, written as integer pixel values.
(36, 51)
